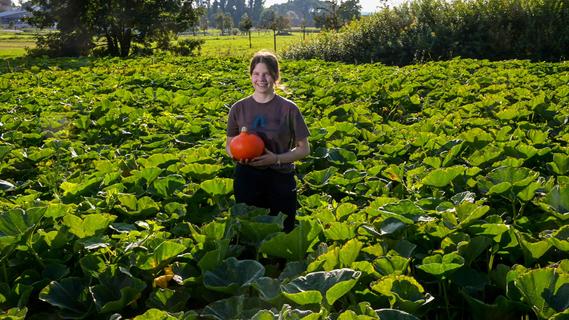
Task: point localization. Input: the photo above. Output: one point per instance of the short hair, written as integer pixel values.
(270, 60)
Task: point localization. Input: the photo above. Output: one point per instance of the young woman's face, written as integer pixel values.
(261, 78)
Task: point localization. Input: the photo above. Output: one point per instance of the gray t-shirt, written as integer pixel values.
(278, 122)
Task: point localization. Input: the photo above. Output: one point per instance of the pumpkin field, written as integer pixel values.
(433, 191)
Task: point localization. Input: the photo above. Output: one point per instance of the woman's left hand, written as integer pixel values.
(266, 159)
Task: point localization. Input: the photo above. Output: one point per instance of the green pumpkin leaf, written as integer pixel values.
(394, 314)
(557, 201)
(162, 253)
(438, 265)
(560, 239)
(168, 299)
(167, 186)
(17, 222)
(317, 286)
(217, 186)
(403, 292)
(546, 290)
(70, 295)
(395, 265)
(233, 275)
(443, 177)
(269, 289)
(156, 314)
(317, 179)
(560, 164)
(116, 289)
(89, 225)
(294, 245)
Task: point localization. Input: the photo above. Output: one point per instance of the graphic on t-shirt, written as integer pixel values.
(259, 122)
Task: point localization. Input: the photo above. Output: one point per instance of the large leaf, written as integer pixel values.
(233, 275)
(532, 249)
(167, 186)
(560, 239)
(403, 292)
(503, 179)
(117, 289)
(269, 288)
(394, 314)
(545, 290)
(88, 225)
(439, 265)
(293, 245)
(501, 309)
(322, 286)
(317, 179)
(557, 201)
(70, 295)
(387, 265)
(160, 255)
(560, 164)
(443, 177)
(169, 300)
(257, 229)
(133, 206)
(236, 307)
(156, 314)
(217, 186)
(15, 223)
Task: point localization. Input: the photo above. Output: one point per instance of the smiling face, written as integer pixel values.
(262, 79)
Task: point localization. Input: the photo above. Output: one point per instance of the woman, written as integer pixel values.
(268, 180)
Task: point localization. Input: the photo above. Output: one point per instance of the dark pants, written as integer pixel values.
(266, 188)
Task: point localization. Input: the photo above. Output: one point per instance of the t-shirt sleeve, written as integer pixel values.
(301, 130)
(232, 124)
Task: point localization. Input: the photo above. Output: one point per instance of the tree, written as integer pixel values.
(270, 20)
(334, 14)
(282, 23)
(120, 22)
(219, 18)
(228, 23)
(349, 10)
(245, 25)
(204, 24)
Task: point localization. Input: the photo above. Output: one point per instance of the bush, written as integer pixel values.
(187, 47)
(435, 30)
(56, 44)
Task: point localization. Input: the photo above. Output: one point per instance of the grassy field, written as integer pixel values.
(238, 45)
(15, 44)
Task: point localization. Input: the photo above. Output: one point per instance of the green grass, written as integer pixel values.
(13, 45)
(238, 45)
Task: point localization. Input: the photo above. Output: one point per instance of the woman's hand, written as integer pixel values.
(266, 159)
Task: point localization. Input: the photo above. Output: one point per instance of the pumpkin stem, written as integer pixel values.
(243, 129)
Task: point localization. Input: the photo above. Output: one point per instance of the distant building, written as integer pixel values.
(15, 18)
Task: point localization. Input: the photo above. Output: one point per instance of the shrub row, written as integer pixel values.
(425, 30)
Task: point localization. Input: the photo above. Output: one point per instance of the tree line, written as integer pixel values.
(121, 27)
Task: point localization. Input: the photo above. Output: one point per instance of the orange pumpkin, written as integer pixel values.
(246, 146)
